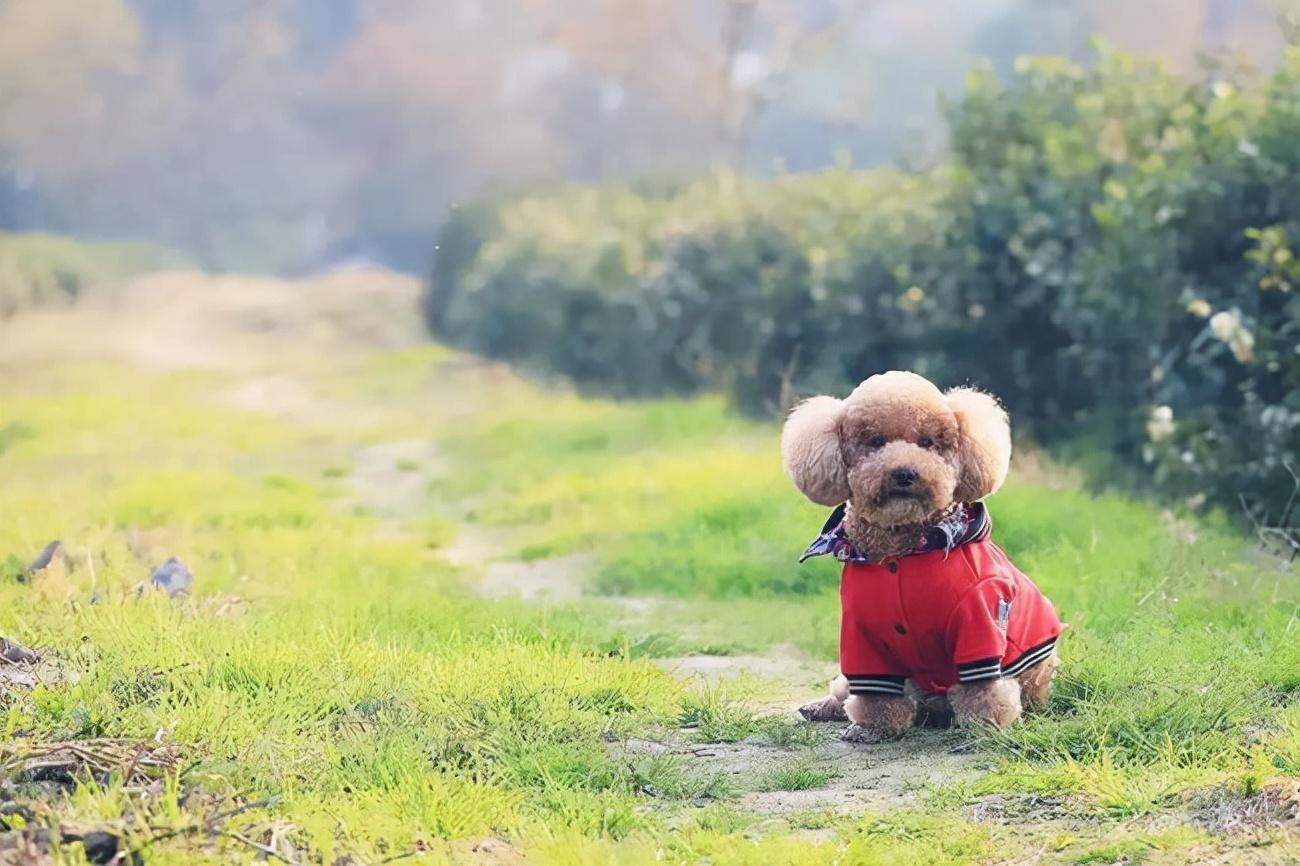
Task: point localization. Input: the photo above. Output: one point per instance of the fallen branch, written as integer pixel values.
(1281, 538)
(253, 843)
(211, 826)
(67, 761)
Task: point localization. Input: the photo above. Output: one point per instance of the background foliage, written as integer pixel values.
(1108, 249)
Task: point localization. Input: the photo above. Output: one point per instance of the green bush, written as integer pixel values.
(1133, 227)
(40, 270)
(724, 283)
(1109, 249)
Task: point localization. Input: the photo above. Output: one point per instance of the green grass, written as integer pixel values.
(797, 775)
(334, 666)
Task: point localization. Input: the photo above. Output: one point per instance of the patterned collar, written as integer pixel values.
(962, 525)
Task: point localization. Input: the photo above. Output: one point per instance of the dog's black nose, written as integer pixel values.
(903, 477)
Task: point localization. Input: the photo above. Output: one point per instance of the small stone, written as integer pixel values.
(648, 747)
(44, 558)
(9, 811)
(487, 851)
(172, 577)
(101, 847)
(860, 734)
(15, 653)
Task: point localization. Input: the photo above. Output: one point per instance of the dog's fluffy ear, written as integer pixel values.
(985, 445)
(810, 449)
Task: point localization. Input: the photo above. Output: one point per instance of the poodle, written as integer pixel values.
(937, 625)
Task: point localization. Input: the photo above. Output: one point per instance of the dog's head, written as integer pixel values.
(898, 448)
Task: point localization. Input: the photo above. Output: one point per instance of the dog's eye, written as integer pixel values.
(925, 442)
(876, 441)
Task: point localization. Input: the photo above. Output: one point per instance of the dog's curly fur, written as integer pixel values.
(958, 443)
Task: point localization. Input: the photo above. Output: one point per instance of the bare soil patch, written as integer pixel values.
(860, 777)
(778, 681)
(1274, 806)
(390, 478)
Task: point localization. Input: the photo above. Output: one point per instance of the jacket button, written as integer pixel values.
(893, 568)
(900, 628)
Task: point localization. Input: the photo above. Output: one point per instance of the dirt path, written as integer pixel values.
(860, 778)
(191, 320)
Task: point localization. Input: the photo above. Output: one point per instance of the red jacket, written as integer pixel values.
(954, 612)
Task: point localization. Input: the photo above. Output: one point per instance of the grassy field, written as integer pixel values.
(443, 614)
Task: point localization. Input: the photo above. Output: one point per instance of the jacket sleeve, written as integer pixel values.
(977, 632)
(868, 670)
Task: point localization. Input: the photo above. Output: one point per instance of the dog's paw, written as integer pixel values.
(828, 709)
(860, 734)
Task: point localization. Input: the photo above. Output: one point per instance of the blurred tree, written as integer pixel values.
(196, 141)
(282, 134)
(251, 174)
(717, 65)
(61, 62)
(1287, 13)
(419, 99)
(1172, 29)
(1176, 31)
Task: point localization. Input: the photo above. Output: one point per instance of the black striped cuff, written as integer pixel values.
(1031, 657)
(979, 669)
(874, 684)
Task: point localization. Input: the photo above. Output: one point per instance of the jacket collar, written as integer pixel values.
(966, 523)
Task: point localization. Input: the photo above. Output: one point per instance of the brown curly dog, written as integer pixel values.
(936, 623)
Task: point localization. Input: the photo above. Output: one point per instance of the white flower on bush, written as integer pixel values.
(1279, 419)
(1160, 423)
(1243, 348)
(1226, 326)
(1200, 308)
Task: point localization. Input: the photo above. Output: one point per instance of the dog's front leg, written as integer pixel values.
(1036, 683)
(877, 717)
(831, 707)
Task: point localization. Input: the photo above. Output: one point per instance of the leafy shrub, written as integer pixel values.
(1110, 250)
(727, 282)
(1134, 229)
